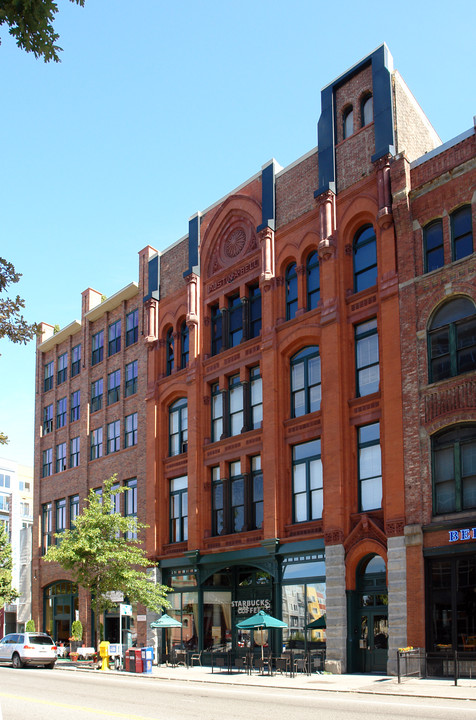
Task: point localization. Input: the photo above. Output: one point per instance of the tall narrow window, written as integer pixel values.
(61, 411)
(96, 395)
(130, 505)
(217, 413)
(48, 419)
(96, 443)
(179, 509)
(75, 360)
(307, 481)
(256, 393)
(46, 526)
(217, 502)
(62, 374)
(48, 376)
(348, 122)
(291, 291)
(257, 493)
(61, 457)
(370, 467)
(97, 347)
(461, 233)
(454, 469)
(452, 339)
(47, 467)
(113, 387)
(75, 405)
(184, 345)
(131, 378)
(73, 510)
(113, 436)
(114, 338)
(60, 518)
(169, 349)
(131, 430)
(367, 358)
(313, 281)
(365, 258)
(433, 245)
(217, 333)
(235, 310)
(367, 109)
(237, 490)
(254, 298)
(235, 394)
(306, 381)
(74, 456)
(178, 427)
(132, 327)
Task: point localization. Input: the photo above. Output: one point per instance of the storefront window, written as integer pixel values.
(184, 609)
(452, 604)
(303, 604)
(217, 619)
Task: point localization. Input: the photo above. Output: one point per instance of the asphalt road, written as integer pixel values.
(38, 694)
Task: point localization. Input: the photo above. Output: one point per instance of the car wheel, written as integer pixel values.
(16, 661)
(50, 666)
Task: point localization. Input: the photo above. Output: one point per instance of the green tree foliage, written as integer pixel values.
(102, 560)
(7, 593)
(30, 626)
(31, 24)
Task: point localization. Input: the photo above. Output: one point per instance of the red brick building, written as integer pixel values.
(270, 459)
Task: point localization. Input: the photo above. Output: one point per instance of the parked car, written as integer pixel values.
(28, 648)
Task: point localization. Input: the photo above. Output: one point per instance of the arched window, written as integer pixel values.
(433, 245)
(365, 258)
(367, 109)
(291, 291)
(452, 339)
(461, 233)
(170, 351)
(178, 427)
(454, 469)
(313, 280)
(348, 122)
(305, 381)
(184, 345)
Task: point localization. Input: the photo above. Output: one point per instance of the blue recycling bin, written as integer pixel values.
(147, 654)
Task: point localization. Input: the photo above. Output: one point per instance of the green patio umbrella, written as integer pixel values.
(165, 622)
(261, 621)
(317, 624)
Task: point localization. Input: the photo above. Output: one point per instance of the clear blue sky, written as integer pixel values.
(157, 110)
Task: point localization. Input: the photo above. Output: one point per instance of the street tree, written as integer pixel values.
(13, 325)
(103, 555)
(31, 24)
(7, 593)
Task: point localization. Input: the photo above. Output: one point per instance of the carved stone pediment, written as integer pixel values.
(366, 529)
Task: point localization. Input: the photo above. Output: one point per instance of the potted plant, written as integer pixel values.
(76, 636)
(30, 626)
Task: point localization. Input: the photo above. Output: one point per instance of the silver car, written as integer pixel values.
(28, 648)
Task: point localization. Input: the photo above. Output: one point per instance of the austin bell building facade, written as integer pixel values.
(286, 430)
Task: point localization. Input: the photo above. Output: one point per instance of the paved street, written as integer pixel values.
(39, 694)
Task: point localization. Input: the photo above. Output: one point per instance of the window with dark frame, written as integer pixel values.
(257, 498)
(75, 360)
(97, 347)
(73, 510)
(184, 345)
(75, 409)
(130, 504)
(96, 395)
(433, 246)
(306, 381)
(113, 387)
(170, 351)
(130, 423)
(256, 397)
(132, 327)
(48, 419)
(236, 405)
(217, 413)
(369, 467)
(348, 122)
(178, 427)
(217, 329)
(179, 509)
(235, 320)
(61, 412)
(367, 109)
(365, 258)
(46, 526)
(254, 299)
(47, 466)
(237, 501)
(452, 339)
(131, 373)
(74, 454)
(308, 495)
(96, 443)
(313, 281)
(461, 233)
(113, 436)
(291, 289)
(62, 374)
(60, 518)
(61, 457)
(48, 377)
(454, 469)
(367, 358)
(114, 338)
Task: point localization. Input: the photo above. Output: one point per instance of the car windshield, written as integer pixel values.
(41, 640)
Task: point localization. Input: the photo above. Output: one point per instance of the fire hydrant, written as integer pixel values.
(104, 653)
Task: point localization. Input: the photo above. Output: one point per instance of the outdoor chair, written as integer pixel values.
(196, 658)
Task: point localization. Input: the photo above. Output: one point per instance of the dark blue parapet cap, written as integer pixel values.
(268, 196)
(193, 245)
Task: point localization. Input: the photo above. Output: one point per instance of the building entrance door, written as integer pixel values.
(373, 641)
(369, 618)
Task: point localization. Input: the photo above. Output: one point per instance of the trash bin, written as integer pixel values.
(137, 659)
(147, 655)
(130, 660)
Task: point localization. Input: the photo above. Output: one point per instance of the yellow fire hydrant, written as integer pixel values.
(104, 653)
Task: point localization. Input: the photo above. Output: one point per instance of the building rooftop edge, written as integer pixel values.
(442, 148)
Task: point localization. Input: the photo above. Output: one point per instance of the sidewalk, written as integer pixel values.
(373, 684)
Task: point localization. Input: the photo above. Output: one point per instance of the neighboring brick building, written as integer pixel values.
(270, 458)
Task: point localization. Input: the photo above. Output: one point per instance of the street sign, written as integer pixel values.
(125, 610)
